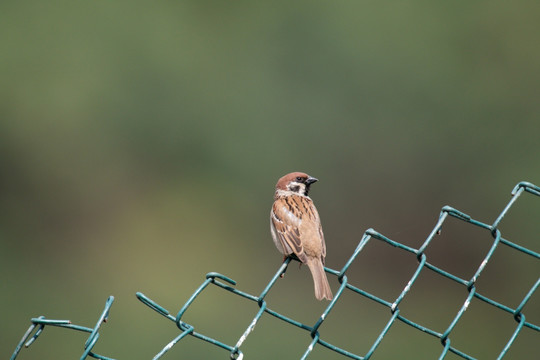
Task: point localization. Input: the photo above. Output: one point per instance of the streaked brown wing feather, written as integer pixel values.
(286, 222)
(323, 242)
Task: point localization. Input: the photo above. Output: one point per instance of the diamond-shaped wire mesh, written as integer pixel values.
(316, 331)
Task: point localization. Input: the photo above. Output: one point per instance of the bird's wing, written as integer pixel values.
(287, 218)
(322, 239)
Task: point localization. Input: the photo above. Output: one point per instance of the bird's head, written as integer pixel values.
(296, 182)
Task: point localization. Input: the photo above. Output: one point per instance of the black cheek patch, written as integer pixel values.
(295, 188)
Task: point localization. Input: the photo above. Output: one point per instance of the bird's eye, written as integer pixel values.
(298, 178)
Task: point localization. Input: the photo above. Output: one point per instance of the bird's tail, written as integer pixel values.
(322, 288)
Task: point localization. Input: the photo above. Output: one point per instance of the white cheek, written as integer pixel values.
(301, 187)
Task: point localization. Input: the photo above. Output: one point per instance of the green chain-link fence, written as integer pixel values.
(314, 331)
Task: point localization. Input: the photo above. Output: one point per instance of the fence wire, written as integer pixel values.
(38, 324)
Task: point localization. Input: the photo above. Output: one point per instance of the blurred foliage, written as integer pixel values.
(140, 143)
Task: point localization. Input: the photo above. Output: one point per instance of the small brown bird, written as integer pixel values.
(296, 228)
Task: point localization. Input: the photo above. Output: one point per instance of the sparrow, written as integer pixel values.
(296, 228)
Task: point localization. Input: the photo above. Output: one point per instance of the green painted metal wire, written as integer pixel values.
(41, 322)
(227, 284)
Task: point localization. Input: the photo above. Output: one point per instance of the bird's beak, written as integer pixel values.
(310, 180)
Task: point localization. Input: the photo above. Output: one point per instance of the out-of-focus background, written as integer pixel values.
(140, 144)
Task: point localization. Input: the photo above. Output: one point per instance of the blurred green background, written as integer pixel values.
(140, 144)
